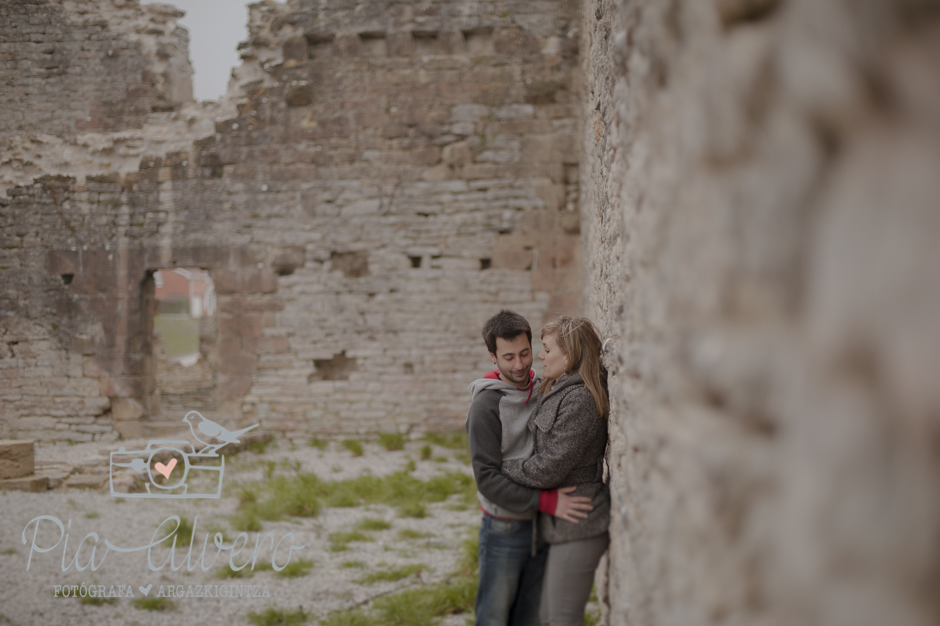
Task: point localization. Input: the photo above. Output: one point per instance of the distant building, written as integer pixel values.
(186, 285)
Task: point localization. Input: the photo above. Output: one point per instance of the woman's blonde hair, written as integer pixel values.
(579, 339)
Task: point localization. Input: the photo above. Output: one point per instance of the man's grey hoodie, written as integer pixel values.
(497, 426)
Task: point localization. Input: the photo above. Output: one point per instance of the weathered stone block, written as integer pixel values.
(16, 458)
(34, 484)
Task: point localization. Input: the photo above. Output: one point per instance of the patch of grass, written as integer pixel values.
(154, 604)
(421, 606)
(424, 605)
(354, 446)
(180, 335)
(319, 444)
(301, 495)
(8, 551)
(371, 523)
(352, 565)
(92, 515)
(410, 466)
(454, 441)
(393, 574)
(352, 617)
(408, 533)
(287, 495)
(591, 618)
(392, 441)
(272, 616)
(469, 564)
(259, 445)
(426, 452)
(342, 539)
(413, 509)
(227, 572)
(462, 457)
(441, 459)
(294, 569)
(184, 532)
(97, 601)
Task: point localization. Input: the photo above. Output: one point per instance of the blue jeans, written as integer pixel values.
(510, 577)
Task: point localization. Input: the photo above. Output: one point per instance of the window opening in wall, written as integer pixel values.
(184, 329)
(215, 28)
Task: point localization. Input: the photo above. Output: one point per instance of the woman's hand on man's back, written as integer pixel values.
(572, 508)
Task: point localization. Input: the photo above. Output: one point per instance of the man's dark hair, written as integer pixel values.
(505, 325)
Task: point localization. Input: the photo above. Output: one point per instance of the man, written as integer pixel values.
(511, 563)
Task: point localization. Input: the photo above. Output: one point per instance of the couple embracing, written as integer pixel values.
(537, 449)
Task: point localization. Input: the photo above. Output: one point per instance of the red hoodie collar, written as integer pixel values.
(494, 375)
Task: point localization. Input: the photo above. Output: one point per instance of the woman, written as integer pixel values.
(569, 425)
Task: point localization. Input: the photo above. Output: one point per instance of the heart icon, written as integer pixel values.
(146, 590)
(166, 470)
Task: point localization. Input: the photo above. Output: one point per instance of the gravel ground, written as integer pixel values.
(27, 595)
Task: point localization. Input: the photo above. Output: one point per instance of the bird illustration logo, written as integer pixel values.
(167, 466)
(204, 429)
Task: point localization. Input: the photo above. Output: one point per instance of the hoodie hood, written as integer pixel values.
(492, 381)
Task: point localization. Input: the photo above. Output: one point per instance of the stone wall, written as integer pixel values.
(389, 175)
(761, 225)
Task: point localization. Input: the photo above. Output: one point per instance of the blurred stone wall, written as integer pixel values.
(761, 207)
(381, 178)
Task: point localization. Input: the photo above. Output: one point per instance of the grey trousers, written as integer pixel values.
(569, 575)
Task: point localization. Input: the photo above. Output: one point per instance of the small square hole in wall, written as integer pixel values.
(480, 42)
(372, 44)
(426, 43)
(67, 278)
(409, 368)
(485, 264)
(320, 46)
(415, 261)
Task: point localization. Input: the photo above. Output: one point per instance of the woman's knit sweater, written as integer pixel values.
(570, 440)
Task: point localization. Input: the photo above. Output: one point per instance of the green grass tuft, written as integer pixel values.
(393, 574)
(354, 446)
(454, 441)
(154, 604)
(424, 605)
(301, 495)
(319, 444)
(371, 523)
(352, 617)
(300, 567)
(287, 495)
(227, 572)
(184, 532)
(392, 441)
(413, 509)
(272, 616)
(426, 452)
(352, 565)
(591, 618)
(260, 444)
(408, 533)
(342, 539)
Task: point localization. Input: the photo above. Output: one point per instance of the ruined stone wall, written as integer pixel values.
(762, 226)
(394, 173)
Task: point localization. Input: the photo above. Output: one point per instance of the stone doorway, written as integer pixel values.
(185, 332)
